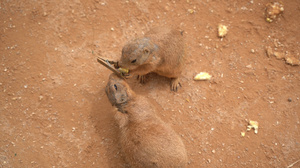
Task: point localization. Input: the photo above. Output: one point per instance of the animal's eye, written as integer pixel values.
(133, 61)
(115, 86)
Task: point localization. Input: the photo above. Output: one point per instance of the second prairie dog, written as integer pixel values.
(146, 141)
(161, 50)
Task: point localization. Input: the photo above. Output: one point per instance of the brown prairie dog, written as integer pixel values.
(161, 50)
(146, 141)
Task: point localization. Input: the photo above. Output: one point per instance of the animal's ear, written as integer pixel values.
(146, 51)
(121, 97)
(145, 55)
(110, 95)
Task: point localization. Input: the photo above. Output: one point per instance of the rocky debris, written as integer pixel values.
(280, 55)
(273, 10)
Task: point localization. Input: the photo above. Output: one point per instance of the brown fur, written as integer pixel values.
(146, 141)
(161, 50)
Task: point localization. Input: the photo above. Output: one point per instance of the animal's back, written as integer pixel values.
(152, 143)
(171, 50)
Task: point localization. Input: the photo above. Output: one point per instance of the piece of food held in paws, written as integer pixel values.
(111, 65)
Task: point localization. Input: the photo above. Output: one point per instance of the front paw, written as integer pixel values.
(141, 78)
(175, 84)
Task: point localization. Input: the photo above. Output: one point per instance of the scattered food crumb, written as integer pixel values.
(222, 30)
(254, 125)
(273, 10)
(16, 98)
(191, 11)
(202, 76)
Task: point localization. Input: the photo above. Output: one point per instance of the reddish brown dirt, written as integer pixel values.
(54, 111)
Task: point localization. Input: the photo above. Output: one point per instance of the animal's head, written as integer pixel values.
(118, 92)
(136, 53)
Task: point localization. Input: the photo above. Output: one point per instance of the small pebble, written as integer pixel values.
(290, 99)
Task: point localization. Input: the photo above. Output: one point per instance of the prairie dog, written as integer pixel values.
(146, 141)
(161, 50)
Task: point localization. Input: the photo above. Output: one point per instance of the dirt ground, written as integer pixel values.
(55, 113)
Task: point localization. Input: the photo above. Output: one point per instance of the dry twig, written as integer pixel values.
(291, 165)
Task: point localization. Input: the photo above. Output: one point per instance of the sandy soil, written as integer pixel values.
(54, 111)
